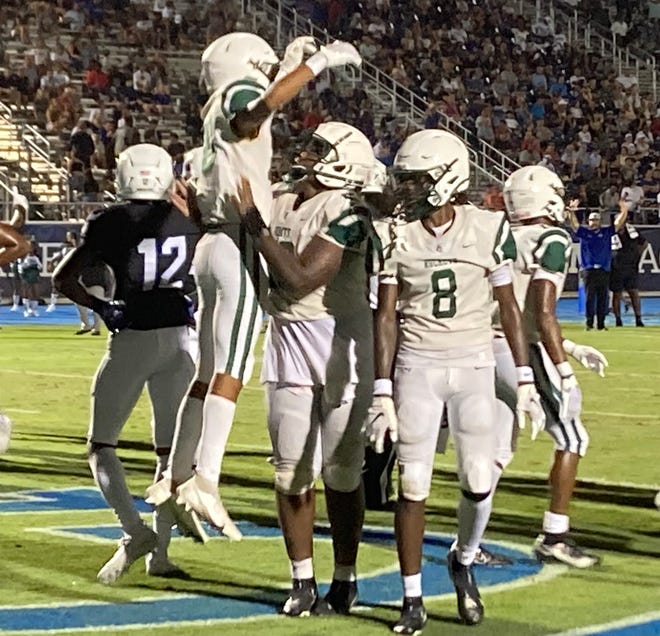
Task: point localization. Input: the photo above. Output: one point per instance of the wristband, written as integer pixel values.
(383, 386)
(317, 63)
(525, 375)
(253, 222)
(569, 346)
(565, 369)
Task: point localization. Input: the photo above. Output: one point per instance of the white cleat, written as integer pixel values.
(51, 308)
(163, 567)
(14, 308)
(160, 492)
(201, 496)
(130, 550)
(188, 523)
(5, 433)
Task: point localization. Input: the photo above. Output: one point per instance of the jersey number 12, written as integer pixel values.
(156, 274)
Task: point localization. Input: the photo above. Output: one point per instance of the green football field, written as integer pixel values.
(49, 563)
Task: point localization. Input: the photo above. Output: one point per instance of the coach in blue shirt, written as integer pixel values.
(596, 260)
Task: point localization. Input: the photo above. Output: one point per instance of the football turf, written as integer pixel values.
(45, 374)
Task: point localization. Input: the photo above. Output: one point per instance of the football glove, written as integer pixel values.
(335, 54)
(381, 421)
(568, 385)
(295, 52)
(587, 356)
(113, 314)
(5, 433)
(528, 402)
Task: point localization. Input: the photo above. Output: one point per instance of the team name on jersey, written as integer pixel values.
(282, 232)
(432, 263)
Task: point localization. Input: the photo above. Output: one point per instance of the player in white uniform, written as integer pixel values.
(439, 273)
(318, 364)
(533, 197)
(238, 70)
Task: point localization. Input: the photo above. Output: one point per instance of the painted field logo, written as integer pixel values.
(382, 587)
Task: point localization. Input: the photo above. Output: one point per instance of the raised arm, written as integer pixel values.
(622, 217)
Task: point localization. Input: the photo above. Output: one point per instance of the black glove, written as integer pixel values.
(113, 314)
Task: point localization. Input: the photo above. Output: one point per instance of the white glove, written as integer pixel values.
(528, 402)
(20, 200)
(337, 53)
(5, 433)
(587, 356)
(295, 52)
(381, 419)
(568, 385)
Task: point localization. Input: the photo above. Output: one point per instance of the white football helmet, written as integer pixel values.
(340, 155)
(440, 155)
(237, 56)
(533, 192)
(377, 179)
(144, 172)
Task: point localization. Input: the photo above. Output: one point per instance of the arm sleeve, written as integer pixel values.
(552, 252)
(240, 96)
(344, 225)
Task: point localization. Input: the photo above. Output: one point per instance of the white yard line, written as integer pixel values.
(637, 619)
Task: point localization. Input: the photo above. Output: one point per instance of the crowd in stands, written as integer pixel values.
(516, 85)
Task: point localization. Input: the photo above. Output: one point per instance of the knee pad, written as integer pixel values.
(342, 478)
(415, 481)
(293, 481)
(477, 475)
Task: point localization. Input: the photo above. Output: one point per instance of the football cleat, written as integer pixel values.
(15, 307)
(163, 567)
(188, 523)
(130, 550)
(302, 598)
(470, 607)
(159, 492)
(413, 616)
(83, 330)
(341, 596)
(492, 559)
(201, 496)
(51, 308)
(5, 433)
(553, 548)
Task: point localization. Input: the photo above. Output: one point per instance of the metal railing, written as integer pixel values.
(401, 101)
(597, 37)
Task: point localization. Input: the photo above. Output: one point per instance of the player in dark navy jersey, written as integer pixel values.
(148, 245)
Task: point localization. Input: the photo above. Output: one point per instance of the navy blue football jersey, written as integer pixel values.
(149, 246)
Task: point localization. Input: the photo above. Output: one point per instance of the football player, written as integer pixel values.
(534, 201)
(238, 70)
(13, 246)
(318, 365)
(148, 244)
(440, 271)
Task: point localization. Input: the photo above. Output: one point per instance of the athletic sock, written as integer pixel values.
(344, 573)
(303, 569)
(163, 518)
(33, 305)
(16, 299)
(473, 518)
(412, 585)
(218, 414)
(111, 480)
(555, 524)
(186, 439)
(53, 299)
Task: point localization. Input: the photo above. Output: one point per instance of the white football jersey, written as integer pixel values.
(543, 251)
(444, 287)
(331, 216)
(226, 158)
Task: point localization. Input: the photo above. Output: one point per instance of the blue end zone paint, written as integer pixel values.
(53, 500)
(567, 311)
(649, 628)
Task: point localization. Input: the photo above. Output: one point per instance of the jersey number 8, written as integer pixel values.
(444, 287)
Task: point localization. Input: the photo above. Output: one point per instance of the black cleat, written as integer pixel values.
(638, 322)
(492, 559)
(341, 596)
(470, 607)
(413, 616)
(619, 322)
(302, 598)
(556, 548)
